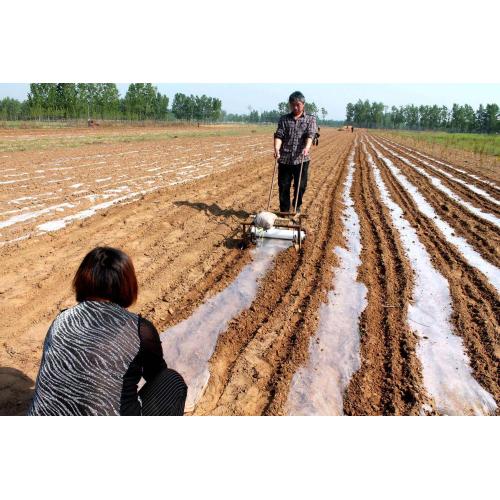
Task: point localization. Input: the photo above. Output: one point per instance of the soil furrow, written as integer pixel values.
(476, 312)
(181, 240)
(389, 380)
(222, 235)
(484, 166)
(184, 243)
(480, 234)
(272, 337)
(132, 167)
(474, 198)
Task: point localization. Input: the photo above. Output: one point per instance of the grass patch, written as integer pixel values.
(35, 124)
(482, 144)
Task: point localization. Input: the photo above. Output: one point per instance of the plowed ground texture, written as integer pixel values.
(175, 205)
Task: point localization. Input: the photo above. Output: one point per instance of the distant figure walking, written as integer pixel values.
(316, 137)
(96, 352)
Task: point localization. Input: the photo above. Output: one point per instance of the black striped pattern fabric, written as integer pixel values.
(165, 395)
(87, 352)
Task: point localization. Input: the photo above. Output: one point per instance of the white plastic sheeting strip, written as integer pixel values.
(468, 185)
(318, 387)
(439, 185)
(446, 371)
(491, 272)
(468, 174)
(55, 225)
(188, 346)
(33, 215)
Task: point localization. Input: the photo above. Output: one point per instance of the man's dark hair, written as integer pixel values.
(106, 273)
(296, 96)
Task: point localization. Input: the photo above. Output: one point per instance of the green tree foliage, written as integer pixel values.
(311, 108)
(12, 109)
(349, 113)
(144, 102)
(253, 117)
(458, 119)
(272, 116)
(66, 100)
(108, 100)
(199, 108)
(481, 119)
(444, 117)
(283, 108)
(492, 118)
(87, 99)
(39, 99)
(376, 114)
(95, 100)
(469, 118)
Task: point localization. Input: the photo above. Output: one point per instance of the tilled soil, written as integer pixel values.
(184, 241)
(476, 313)
(69, 185)
(483, 183)
(256, 358)
(479, 233)
(389, 379)
(476, 164)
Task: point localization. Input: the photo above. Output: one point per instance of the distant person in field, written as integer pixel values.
(292, 142)
(96, 352)
(352, 129)
(316, 137)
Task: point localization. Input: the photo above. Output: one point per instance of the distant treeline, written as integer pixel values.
(54, 101)
(273, 116)
(485, 119)
(61, 101)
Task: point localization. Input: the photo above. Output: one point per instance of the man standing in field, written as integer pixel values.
(292, 142)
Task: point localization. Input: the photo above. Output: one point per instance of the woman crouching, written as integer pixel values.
(96, 352)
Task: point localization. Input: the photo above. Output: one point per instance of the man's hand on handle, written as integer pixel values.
(305, 151)
(277, 147)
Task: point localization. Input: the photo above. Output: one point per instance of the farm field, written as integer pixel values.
(41, 139)
(481, 150)
(391, 307)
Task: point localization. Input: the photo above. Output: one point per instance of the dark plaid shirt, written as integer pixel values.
(294, 134)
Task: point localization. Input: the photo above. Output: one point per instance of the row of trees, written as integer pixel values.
(142, 101)
(95, 100)
(272, 116)
(485, 119)
(198, 108)
(12, 109)
(102, 100)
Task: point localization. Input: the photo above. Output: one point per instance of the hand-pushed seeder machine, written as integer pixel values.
(276, 225)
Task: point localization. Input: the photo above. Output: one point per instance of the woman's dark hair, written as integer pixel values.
(297, 96)
(106, 273)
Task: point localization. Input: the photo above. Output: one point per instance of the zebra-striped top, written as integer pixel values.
(94, 355)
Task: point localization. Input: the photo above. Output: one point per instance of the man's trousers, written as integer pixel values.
(285, 175)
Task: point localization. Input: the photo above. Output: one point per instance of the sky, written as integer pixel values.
(237, 97)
